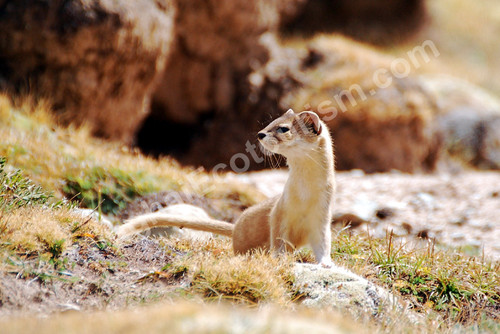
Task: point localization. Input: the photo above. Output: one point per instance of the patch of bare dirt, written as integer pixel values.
(91, 279)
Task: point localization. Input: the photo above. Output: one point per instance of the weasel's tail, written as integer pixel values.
(147, 221)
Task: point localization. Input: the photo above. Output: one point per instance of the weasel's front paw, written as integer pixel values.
(326, 263)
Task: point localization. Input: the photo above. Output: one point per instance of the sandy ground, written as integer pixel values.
(458, 210)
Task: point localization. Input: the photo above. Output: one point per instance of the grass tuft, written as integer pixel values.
(35, 231)
(18, 191)
(216, 274)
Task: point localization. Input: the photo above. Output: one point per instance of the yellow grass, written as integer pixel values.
(38, 230)
(217, 274)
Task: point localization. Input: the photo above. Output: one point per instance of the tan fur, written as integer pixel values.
(300, 216)
(150, 220)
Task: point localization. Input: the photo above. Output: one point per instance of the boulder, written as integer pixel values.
(469, 118)
(376, 126)
(95, 60)
(339, 289)
(380, 115)
(210, 96)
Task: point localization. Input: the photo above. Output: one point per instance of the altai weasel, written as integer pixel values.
(300, 216)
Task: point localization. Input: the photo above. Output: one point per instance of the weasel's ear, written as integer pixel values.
(311, 120)
(289, 112)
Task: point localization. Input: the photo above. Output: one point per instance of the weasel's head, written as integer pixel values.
(292, 134)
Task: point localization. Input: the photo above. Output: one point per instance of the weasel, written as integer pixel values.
(301, 215)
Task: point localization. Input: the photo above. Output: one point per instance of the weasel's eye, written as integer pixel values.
(282, 129)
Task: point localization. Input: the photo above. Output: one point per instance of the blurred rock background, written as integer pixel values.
(197, 79)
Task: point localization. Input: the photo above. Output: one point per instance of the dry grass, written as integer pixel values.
(216, 274)
(462, 289)
(39, 231)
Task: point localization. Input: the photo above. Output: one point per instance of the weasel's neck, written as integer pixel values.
(312, 171)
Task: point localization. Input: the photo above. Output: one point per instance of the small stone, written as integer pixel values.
(357, 173)
(69, 307)
(476, 243)
(384, 213)
(459, 222)
(408, 228)
(87, 213)
(477, 223)
(425, 199)
(364, 208)
(457, 236)
(424, 234)
(348, 219)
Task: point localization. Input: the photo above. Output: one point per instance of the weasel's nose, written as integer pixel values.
(261, 135)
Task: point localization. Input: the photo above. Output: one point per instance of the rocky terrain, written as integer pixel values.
(454, 210)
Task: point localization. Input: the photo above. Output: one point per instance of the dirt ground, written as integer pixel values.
(92, 279)
(459, 210)
(456, 210)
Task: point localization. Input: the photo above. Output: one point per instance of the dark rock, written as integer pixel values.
(469, 119)
(378, 22)
(348, 220)
(424, 234)
(384, 213)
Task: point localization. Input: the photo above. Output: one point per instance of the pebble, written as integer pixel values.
(425, 199)
(68, 307)
(457, 236)
(384, 213)
(477, 223)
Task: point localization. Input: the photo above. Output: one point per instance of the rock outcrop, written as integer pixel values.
(228, 75)
(96, 61)
(209, 101)
(381, 118)
(215, 96)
